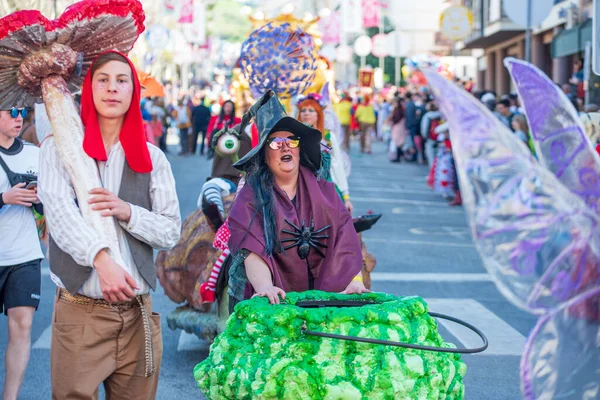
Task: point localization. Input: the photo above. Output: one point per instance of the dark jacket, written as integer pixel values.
(412, 121)
(200, 118)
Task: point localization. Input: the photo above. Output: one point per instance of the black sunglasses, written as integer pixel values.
(14, 112)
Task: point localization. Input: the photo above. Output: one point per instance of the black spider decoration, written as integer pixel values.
(305, 237)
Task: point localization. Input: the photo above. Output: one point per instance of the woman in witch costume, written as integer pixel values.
(289, 229)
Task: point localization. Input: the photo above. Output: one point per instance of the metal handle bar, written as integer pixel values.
(305, 331)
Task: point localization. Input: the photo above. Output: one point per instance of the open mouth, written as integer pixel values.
(286, 158)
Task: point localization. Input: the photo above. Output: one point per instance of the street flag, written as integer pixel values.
(196, 33)
(186, 13)
(330, 26)
(371, 14)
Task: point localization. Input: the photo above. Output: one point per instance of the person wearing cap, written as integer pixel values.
(289, 229)
(103, 328)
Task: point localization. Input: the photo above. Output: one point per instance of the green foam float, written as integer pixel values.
(264, 354)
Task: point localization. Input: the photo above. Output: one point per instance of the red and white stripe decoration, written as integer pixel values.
(208, 288)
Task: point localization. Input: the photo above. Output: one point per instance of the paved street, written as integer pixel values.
(423, 247)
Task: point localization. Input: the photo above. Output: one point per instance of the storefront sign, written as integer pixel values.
(456, 22)
(365, 77)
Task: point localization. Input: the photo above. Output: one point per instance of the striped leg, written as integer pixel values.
(208, 288)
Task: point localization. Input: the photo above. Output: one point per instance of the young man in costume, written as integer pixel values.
(104, 330)
(20, 251)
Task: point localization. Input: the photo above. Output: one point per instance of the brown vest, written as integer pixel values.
(135, 189)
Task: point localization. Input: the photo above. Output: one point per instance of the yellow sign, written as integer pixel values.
(456, 22)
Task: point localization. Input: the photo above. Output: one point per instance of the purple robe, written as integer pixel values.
(315, 199)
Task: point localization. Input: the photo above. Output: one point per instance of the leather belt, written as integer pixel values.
(84, 300)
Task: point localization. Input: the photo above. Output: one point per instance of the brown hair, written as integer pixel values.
(105, 59)
(521, 121)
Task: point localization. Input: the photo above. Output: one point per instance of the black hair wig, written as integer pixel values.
(261, 180)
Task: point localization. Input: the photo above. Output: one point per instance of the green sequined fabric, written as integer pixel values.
(263, 354)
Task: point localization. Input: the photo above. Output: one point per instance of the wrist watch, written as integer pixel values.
(1, 200)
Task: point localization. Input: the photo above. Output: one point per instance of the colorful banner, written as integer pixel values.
(371, 13)
(330, 26)
(196, 33)
(186, 13)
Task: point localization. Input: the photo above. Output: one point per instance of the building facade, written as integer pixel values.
(556, 44)
(419, 23)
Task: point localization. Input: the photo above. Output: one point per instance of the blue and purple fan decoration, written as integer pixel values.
(279, 58)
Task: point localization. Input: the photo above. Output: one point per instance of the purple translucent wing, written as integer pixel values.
(539, 242)
(559, 137)
(325, 100)
(562, 354)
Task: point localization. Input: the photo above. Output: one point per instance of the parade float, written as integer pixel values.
(318, 345)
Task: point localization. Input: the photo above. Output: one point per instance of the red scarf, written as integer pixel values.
(132, 136)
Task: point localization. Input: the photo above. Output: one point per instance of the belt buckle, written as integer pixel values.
(124, 306)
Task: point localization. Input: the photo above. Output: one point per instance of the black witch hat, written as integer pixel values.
(269, 117)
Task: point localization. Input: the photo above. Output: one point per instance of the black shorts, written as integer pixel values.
(20, 285)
